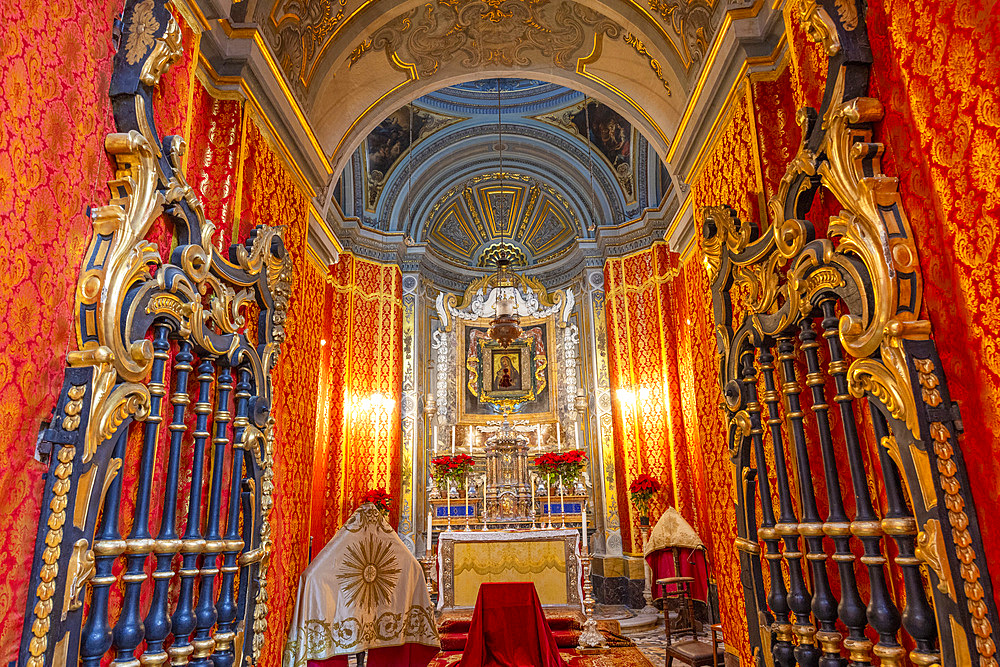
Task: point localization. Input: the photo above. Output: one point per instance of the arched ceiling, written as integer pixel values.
(432, 171)
(327, 74)
(367, 58)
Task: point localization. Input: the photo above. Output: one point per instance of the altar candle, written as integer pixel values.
(435, 437)
(538, 437)
(430, 537)
(452, 439)
(583, 520)
(472, 436)
(558, 437)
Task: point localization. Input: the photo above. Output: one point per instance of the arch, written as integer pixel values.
(619, 53)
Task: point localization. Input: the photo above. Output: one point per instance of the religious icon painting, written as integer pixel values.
(507, 369)
(513, 379)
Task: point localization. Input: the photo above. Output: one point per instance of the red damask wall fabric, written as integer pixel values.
(649, 433)
(362, 449)
(271, 196)
(936, 71)
(55, 67)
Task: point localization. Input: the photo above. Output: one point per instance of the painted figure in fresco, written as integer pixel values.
(507, 378)
(609, 132)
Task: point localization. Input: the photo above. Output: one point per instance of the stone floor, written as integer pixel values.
(649, 638)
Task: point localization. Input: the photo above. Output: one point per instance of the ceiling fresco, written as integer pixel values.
(432, 171)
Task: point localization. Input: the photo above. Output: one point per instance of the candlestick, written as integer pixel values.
(448, 489)
(548, 493)
(430, 535)
(532, 485)
(558, 437)
(538, 437)
(452, 439)
(484, 502)
(562, 503)
(435, 437)
(472, 437)
(466, 510)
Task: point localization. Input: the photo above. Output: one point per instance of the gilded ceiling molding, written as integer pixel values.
(654, 64)
(691, 23)
(484, 33)
(299, 30)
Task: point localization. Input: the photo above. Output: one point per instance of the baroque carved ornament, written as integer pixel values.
(151, 321)
(498, 33)
(860, 284)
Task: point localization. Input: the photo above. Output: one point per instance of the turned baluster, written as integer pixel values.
(167, 542)
(224, 655)
(184, 618)
(825, 607)
(108, 545)
(899, 523)
(777, 597)
(129, 631)
(205, 612)
(852, 608)
(824, 604)
(799, 598)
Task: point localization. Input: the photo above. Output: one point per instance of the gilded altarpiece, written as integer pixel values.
(519, 379)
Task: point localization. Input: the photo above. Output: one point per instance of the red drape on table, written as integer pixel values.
(509, 630)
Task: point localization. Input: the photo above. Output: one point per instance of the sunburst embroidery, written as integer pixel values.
(370, 573)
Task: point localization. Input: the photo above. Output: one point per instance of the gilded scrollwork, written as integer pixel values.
(485, 33)
(859, 281)
(128, 289)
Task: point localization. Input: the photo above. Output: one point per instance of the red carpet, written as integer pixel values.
(611, 657)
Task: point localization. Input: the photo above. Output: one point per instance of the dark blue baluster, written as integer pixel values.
(777, 596)
(184, 620)
(203, 642)
(852, 608)
(825, 606)
(167, 543)
(811, 527)
(108, 545)
(129, 631)
(225, 635)
(917, 617)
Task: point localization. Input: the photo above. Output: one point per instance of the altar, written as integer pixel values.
(548, 558)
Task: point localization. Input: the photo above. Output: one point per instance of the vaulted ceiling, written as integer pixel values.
(434, 171)
(387, 110)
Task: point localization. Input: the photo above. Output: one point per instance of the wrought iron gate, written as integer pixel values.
(175, 355)
(839, 304)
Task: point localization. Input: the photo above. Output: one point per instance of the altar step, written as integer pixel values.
(454, 630)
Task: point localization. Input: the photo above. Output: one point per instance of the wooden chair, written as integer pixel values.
(690, 651)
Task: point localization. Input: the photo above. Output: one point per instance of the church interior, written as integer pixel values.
(500, 332)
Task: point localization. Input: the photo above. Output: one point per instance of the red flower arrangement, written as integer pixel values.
(565, 466)
(379, 498)
(456, 468)
(642, 489)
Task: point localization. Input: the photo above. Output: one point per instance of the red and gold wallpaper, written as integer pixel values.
(55, 68)
(362, 450)
(936, 72)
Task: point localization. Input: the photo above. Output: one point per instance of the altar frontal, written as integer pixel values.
(548, 558)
